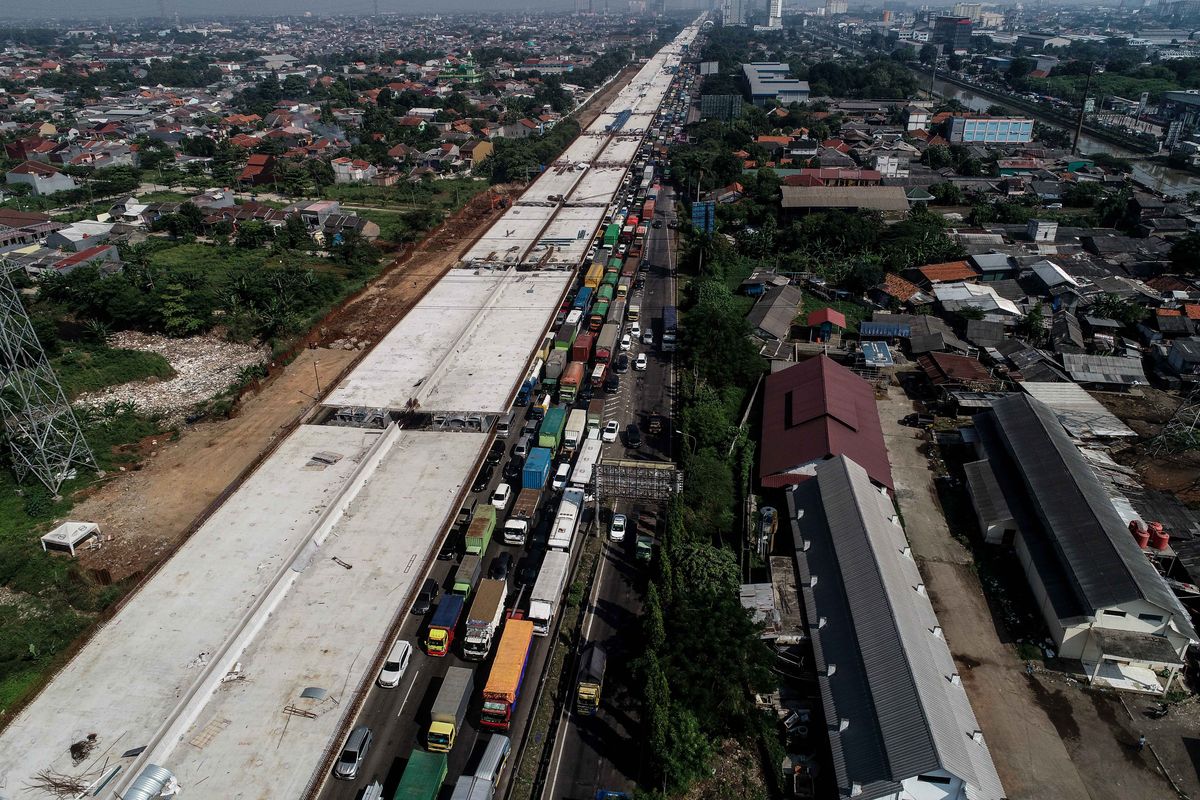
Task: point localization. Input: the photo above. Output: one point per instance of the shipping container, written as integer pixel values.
(537, 469)
(555, 364)
(595, 274)
(611, 234)
(423, 776)
(550, 432)
(606, 343)
(616, 313)
(479, 534)
(606, 294)
(598, 315)
(582, 349)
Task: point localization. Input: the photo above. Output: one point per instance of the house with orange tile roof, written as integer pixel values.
(946, 272)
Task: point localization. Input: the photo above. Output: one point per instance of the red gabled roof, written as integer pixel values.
(817, 410)
(948, 271)
(82, 256)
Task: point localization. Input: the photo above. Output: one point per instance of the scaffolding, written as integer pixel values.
(41, 428)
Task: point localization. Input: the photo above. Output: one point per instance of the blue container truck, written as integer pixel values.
(537, 469)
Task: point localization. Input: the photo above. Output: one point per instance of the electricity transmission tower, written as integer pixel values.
(42, 431)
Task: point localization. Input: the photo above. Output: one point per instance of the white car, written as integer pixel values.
(611, 429)
(640, 362)
(616, 530)
(395, 665)
(648, 338)
(560, 477)
(626, 342)
(635, 330)
(501, 496)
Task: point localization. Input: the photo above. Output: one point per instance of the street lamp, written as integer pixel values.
(692, 445)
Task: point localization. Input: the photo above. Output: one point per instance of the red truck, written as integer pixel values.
(582, 349)
(648, 210)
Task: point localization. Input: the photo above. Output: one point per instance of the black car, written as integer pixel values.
(484, 478)
(612, 384)
(427, 597)
(527, 571)
(452, 548)
(512, 470)
(586, 392)
(657, 223)
(623, 363)
(496, 454)
(633, 436)
(501, 566)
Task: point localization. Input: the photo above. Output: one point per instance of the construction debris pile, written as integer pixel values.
(204, 367)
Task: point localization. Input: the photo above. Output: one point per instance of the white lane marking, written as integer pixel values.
(404, 702)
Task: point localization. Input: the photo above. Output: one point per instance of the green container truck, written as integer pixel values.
(611, 279)
(479, 534)
(550, 434)
(611, 234)
(423, 776)
(605, 296)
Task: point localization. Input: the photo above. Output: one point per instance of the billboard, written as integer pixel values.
(704, 215)
(709, 68)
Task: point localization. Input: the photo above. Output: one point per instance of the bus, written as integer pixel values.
(670, 329)
(582, 299)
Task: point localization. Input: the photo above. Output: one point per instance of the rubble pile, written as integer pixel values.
(204, 367)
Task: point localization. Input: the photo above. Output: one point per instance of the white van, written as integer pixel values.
(358, 744)
(505, 425)
(560, 477)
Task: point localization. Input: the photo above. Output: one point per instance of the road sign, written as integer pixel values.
(638, 480)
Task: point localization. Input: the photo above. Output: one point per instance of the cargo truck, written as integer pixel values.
(550, 432)
(449, 709)
(565, 337)
(529, 386)
(611, 234)
(503, 687)
(547, 590)
(598, 315)
(566, 520)
(467, 574)
(606, 343)
(442, 625)
(605, 293)
(595, 414)
(537, 469)
(585, 464)
(572, 378)
(616, 313)
(648, 209)
(555, 363)
(484, 618)
(595, 274)
(479, 533)
(582, 349)
(573, 432)
(591, 679)
(516, 528)
(423, 776)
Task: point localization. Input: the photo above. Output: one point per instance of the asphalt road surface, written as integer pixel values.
(604, 751)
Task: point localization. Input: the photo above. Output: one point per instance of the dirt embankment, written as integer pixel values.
(1161, 468)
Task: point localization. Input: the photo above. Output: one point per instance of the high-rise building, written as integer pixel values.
(954, 32)
(835, 7)
(733, 12)
(971, 11)
(775, 15)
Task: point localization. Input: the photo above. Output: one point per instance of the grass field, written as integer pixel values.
(47, 600)
(87, 369)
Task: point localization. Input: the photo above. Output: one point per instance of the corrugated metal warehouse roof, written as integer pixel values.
(904, 715)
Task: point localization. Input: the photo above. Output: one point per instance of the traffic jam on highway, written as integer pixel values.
(493, 596)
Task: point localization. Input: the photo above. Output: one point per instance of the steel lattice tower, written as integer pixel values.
(42, 431)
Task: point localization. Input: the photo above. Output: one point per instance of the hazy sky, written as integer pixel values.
(66, 9)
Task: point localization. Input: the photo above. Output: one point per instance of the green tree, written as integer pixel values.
(688, 750)
(252, 234)
(178, 310)
(937, 157)
(1185, 254)
(929, 54)
(1032, 324)
(946, 194)
(1120, 309)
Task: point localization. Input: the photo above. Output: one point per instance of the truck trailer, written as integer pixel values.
(443, 624)
(573, 432)
(537, 469)
(484, 618)
(520, 520)
(479, 533)
(547, 590)
(423, 776)
(550, 432)
(556, 362)
(467, 575)
(449, 709)
(503, 687)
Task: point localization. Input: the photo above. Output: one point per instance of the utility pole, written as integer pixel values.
(1082, 106)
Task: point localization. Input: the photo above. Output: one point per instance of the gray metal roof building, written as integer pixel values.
(1081, 560)
(897, 714)
(773, 314)
(1104, 370)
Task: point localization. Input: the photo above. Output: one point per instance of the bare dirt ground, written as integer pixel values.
(1146, 410)
(1028, 752)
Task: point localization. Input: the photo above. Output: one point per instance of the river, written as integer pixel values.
(1158, 177)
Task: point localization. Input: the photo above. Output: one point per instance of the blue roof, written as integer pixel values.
(884, 329)
(877, 354)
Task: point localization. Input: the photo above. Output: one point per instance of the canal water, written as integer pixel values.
(1158, 177)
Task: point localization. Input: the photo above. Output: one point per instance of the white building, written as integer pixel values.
(44, 178)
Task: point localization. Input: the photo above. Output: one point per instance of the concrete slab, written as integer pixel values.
(329, 629)
(125, 681)
(462, 348)
(569, 236)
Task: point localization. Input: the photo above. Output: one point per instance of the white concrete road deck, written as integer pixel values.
(329, 630)
(464, 347)
(126, 680)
